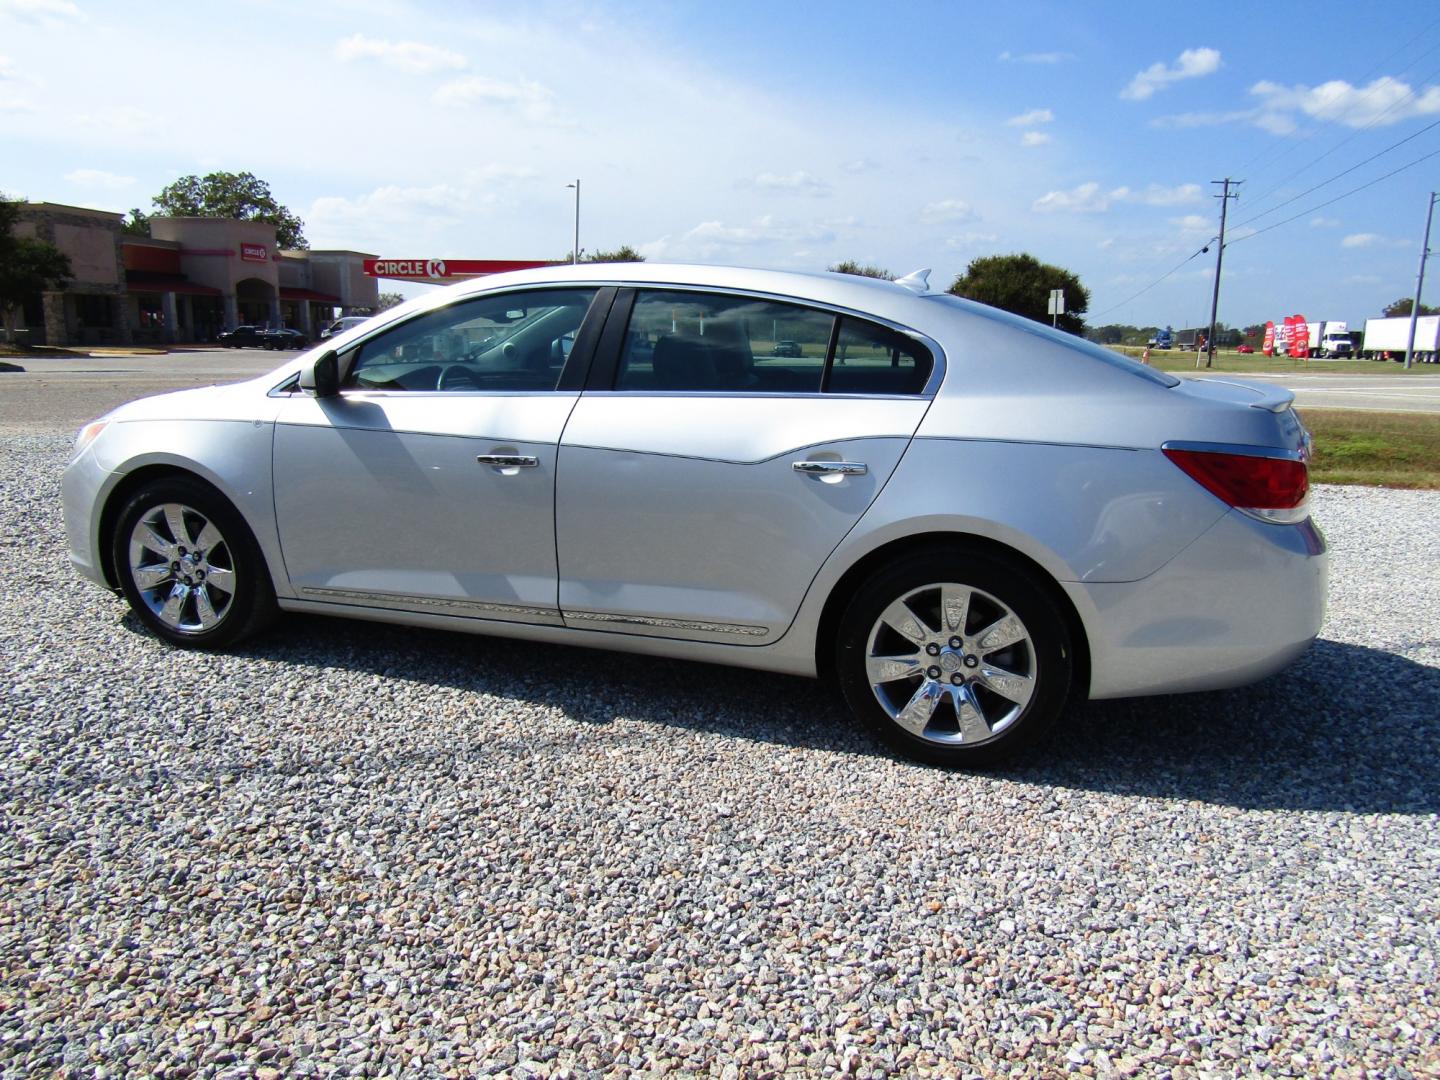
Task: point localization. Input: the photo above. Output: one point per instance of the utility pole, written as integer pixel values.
(1419, 281)
(1225, 196)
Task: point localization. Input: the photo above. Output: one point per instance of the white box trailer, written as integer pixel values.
(1390, 335)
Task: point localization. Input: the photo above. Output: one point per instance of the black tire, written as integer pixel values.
(219, 589)
(1043, 660)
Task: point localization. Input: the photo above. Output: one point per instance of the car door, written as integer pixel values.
(427, 483)
(717, 457)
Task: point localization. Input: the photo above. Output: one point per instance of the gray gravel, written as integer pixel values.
(353, 849)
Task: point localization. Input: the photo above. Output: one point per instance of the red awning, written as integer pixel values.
(287, 293)
(149, 281)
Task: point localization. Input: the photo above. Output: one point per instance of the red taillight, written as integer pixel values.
(1244, 481)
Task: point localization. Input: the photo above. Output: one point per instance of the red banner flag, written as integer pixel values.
(1299, 338)
(1268, 347)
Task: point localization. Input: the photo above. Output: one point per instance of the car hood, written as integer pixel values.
(233, 401)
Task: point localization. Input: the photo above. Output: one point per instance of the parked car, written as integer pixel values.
(786, 348)
(1246, 350)
(284, 339)
(971, 522)
(243, 337)
(339, 326)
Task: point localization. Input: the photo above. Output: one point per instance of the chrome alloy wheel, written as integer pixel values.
(951, 664)
(182, 568)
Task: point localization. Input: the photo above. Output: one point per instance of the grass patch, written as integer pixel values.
(1383, 448)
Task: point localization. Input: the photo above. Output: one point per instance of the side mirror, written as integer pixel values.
(321, 377)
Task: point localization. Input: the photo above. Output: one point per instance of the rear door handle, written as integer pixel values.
(508, 461)
(831, 468)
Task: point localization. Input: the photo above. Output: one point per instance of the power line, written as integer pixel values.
(1152, 284)
(1311, 132)
(1337, 176)
(1337, 198)
(1353, 135)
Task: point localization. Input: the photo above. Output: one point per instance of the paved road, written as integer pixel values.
(1382, 393)
(73, 391)
(96, 384)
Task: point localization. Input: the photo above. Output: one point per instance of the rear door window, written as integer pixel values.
(680, 341)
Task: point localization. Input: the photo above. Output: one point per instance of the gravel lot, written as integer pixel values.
(351, 849)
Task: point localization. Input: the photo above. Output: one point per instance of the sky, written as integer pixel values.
(795, 135)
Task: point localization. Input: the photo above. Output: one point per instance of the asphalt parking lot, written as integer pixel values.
(350, 849)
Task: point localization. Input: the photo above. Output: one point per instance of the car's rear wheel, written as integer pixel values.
(189, 566)
(955, 657)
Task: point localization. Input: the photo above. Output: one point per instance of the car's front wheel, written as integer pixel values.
(955, 657)
(189, 566)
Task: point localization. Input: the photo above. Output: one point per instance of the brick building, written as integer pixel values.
(189, 280)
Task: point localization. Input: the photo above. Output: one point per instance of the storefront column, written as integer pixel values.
(303, 310)
(275, 321)
(57, 331)
(171, 313)
(232, 311)
(120, 319)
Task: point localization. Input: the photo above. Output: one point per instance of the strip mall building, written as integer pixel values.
(192, 278)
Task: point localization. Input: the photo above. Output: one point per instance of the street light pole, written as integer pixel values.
(575, 250)
(1419, 281)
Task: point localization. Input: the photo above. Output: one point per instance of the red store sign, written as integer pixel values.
(430, 269)
(254, 253)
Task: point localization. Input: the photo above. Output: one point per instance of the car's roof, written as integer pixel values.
(874, 295)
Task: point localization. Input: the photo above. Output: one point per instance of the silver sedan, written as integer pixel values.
(957, 517)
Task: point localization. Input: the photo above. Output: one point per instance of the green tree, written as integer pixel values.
(1402, 307)
(1022, 284)
(137, 224)
(231, 195)
(388, 300)
(27, 266)
(624, 253)
(850, 266)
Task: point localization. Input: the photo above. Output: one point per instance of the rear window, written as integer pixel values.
(1060, 337)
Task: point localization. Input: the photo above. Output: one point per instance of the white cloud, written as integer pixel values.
(860, 165)
(13, 93)
(1370, 239)
(966, 240)
(1383, 102)
(799, 181)
(120, 120)
(1086, 198)
(1191, 64)
(717, 239)
(43, 12)
(1192, 223)
(98, 178)
(1031, 118)
(947, 211)
(417, 213)
(1324, 223)
(534, 101)
(409, 56)
(1036, 138)
(1089, 198)
(1007, 57)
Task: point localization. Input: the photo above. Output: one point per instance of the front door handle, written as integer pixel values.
(508, 461)
(831, 468)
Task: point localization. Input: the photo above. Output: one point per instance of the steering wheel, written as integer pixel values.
(454, 377)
